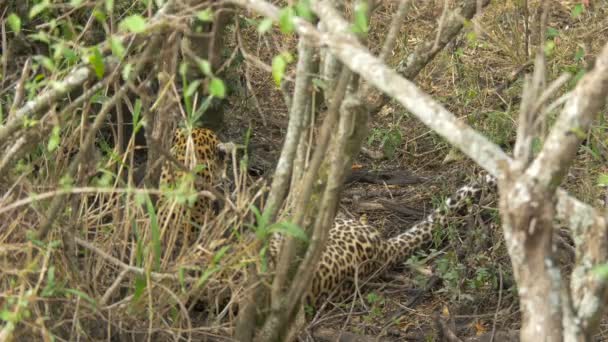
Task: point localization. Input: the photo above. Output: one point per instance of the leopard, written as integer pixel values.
(354, 249)
(198, 149)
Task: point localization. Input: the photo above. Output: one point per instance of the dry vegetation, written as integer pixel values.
(99, 274)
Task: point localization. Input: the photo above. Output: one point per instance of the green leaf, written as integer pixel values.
(69, 54)
(40, 36)
(38, 8)
(75, 3)
(289, 228)
(278, 69)
(537, 145)
(600, 271)
(46, 62)
(134, 24)
(50, 287)
(217, 88)
(192, 88)
(391, 142)
(109, 6)
(96, 61)
(205, 66)
(303, 10)
(552, 32)
(66, 182)
(577, 10)
(265, 25)
(118, 49)
(14, 22)
(578, 132)
(286, 16)
(54, 139)
(602, 180)
(549, 47)
(206, 275)
(261, 220)
(220, 254)
(360, 24)
(126, 71)
(154, 229)
(140, 286)
(579, 55)
(205, 15)
(82, 295)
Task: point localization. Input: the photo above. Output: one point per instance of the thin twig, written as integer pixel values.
(20, 87)
(498, 304)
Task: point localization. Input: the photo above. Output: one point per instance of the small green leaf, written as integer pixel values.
(140, 286)
(100, 16)
(118, 49)
(219, 255)
(577, 10)
(600, 271)
(205, 66)
(126, 71)
(54, 139)
(289, 228)
(38, 8)
(217, 88)
(552, 32)
(46, 62)
(66, 182)
(303, 10)
(50, 287)
(69, 54)
(286, 16)
(361, 24)
(40, 36)
(578, 132)
(537, 145)
(602, 180)
(205, 15)
(549, 47)
(134, 24)
(192, 87)
(155, 232)
(391, 142)
(265, 25)
(580, 54)
(278, 69)
(206, 275)
(75, 3)
(14, 22)
(96, 61)
(183, 68)
(287, 56)
(82, 295)
(109, 6)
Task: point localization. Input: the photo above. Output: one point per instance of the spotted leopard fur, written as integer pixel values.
(196, 149)
(354, 249)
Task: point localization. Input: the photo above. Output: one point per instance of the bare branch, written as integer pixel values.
(20, 87)
(42, 102)
(586, 100)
